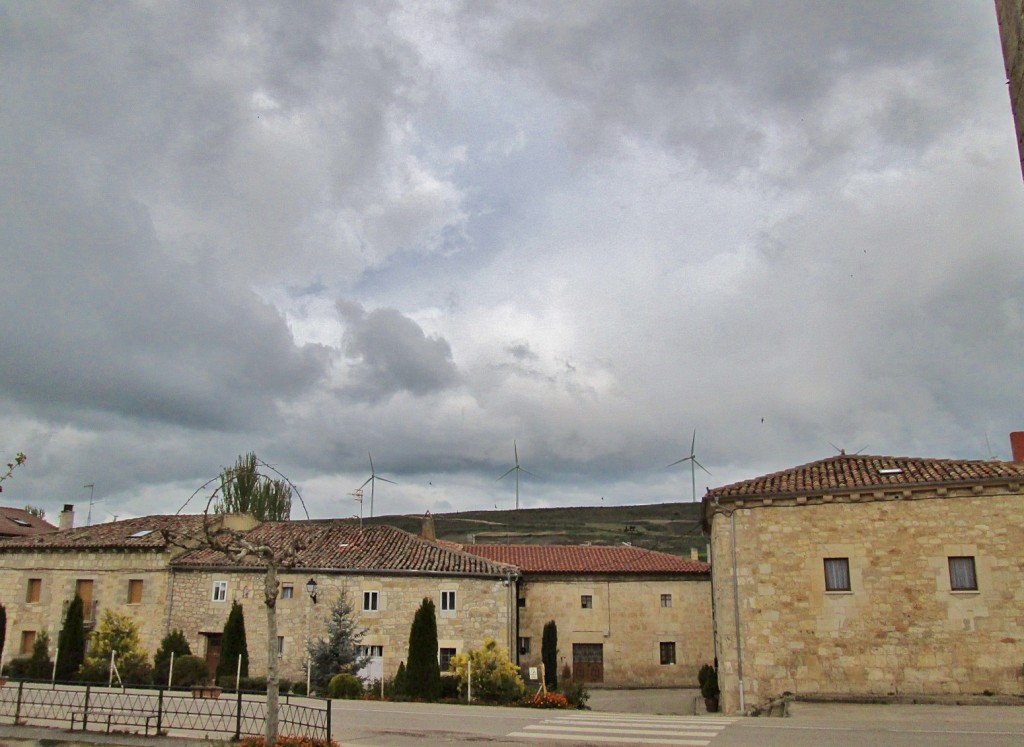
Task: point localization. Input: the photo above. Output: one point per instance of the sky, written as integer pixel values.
(441, 233)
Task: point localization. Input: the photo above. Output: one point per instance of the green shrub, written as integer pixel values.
(422, 671)
(299, 688)
(576, 693)
(707, 677)
(495, 678)
(173, 643)
(398, 683)
(189, 671)
(449, 687)
(345, 686)
(17, 668)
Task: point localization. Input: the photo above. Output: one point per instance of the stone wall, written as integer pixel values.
(1010, 16)
(900, 629)
(483, 608)
(59, 572)
(628, 619)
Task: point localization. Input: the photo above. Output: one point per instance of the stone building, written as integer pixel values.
(385, 573)
(1010, 16)
(626, 616)
(862, 575)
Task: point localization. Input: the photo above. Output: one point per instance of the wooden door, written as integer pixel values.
(588, 662)
(212, 653)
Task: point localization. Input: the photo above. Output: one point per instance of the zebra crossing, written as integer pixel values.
(606, 728)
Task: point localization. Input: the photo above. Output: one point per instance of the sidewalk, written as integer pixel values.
(656, 701)
(40, 736)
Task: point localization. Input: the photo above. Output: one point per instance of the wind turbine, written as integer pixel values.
(692, 459)
(517, 469)
(372, 480)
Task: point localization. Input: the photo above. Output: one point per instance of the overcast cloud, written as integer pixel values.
(426, 230)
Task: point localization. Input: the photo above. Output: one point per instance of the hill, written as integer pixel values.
(667, 527)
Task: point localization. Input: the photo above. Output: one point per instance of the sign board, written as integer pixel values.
(534, 675)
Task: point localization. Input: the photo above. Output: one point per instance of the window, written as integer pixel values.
(287, 591)
(586, 601)
(370, 599)
(837, 574)
(524, 646)
(135, 591)
(961, 573)
(141, 533)
(280, 646)
(445, 658)
(374, 652)
(668, 652)
(35, 587)
(28, 640)
(220, 591)
(447, 601)
(83, 588)
(666, 600)
(521, 601)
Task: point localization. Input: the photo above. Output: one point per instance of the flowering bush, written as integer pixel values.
(546, 700)
(288, 742)
(495, 678)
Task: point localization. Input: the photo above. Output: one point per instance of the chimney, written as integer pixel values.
(1017, 445)
(67, 517)
(427, 532)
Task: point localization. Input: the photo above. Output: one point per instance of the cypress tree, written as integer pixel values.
(549, 654)
(174, 642)
(71, 642)
(423, 673)
(232, 643)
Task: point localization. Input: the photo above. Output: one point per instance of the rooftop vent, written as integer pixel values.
(142, 533)
(890, 471)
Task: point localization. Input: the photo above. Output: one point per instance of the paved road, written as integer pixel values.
(408, 724)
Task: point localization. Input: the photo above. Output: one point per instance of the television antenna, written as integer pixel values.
(692, 459)
(92, 492)
(372, 480)
(357, 495)
(517, 469)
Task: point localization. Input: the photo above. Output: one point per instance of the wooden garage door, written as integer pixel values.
(588, 662)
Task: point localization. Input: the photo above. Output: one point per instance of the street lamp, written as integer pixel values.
(311, 589)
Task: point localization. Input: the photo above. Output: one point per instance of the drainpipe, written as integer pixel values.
(736, 609)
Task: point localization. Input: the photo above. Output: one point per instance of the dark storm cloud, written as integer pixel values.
(389, 353)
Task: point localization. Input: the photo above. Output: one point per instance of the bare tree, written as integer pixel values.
(235, 541)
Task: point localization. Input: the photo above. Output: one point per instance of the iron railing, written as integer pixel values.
(162, 710)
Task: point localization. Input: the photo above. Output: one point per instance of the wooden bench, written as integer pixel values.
(118, 718)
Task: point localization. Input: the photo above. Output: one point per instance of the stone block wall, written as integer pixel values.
(900, 629)
(484, 608)
(59, 572)
(628, 619)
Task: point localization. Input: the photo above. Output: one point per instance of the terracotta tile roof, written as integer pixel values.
(17, 522)
(848, 472)
(332, 544)
(588, 559)
(112, 535)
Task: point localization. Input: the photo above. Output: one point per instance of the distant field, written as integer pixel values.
(668, 527)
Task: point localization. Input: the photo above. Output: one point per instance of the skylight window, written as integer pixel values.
(142, 533)
(21, 522)
(891, 471)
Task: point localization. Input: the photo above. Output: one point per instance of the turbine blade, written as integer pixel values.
(680, 461)
(371, 461)
(515, 448)
(384, 479)
(508, 473)
(700, 465)
(521, 469)
(693, 443)
(368, 479)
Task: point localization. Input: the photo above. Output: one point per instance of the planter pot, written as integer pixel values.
(711, 704)
(206, 691)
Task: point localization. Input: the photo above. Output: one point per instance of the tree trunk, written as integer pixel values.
(270, 599)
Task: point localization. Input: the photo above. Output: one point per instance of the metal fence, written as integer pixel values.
(160, 711)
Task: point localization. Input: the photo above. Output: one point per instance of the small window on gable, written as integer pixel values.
(447, 601)
(135, 591)
(280, 646)
(35, 589)
(524, 646)
(837, 574)
(287, 591)
(962, 576)
(220, 591)
(666, 600)
(370, 601)
(586, 601)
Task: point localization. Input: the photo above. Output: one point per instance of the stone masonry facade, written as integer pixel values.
(630, 617)
(483, 608)
(900, 628)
